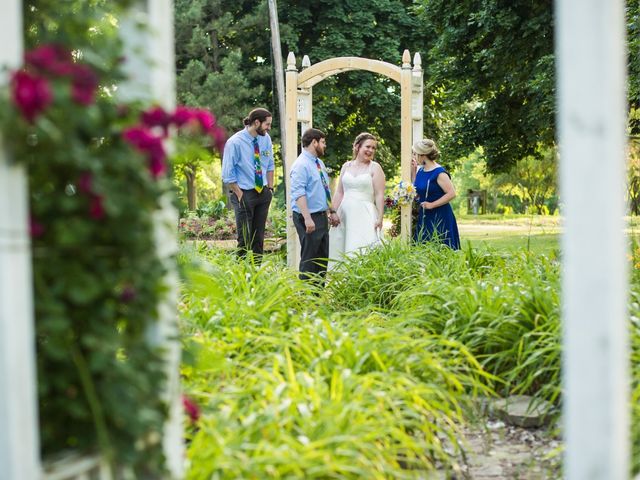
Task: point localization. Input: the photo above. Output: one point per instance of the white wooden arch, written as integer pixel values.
(299, 109)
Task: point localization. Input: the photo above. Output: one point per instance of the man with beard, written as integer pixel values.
(247, 170)
(311, 205)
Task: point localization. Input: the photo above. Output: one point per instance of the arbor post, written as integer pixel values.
(147, 32)
(406, 134)
(591, 66)
(293, 256)
(417, 88)
(19, 437)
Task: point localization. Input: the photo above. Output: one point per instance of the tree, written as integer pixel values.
(491, 72)
(532, 180)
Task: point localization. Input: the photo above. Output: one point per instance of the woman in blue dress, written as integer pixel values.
(436, 221)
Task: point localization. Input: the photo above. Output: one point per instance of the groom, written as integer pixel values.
(311, 205)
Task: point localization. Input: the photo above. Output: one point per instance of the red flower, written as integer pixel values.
(54, 59)
(143, 140)
(36, 229)
(191, 408)
(157, 164)
(219, 137)
(206, 119)
(85, 182)
(157, 117)
(96, 207)
(84, 84)
(182, 116)
(128, 294)
(31, 94)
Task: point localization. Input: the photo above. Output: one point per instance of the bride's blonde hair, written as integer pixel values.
(360, 139)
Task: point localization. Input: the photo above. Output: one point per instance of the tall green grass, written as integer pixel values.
(292, 389)
(367, 378)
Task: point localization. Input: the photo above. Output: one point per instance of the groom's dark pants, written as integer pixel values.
(251, 219)
(314, 246)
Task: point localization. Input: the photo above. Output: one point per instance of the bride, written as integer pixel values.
(358, 201)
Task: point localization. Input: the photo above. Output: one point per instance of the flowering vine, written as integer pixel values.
(97, 170)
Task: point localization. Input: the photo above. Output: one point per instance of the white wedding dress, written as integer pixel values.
(357, 212)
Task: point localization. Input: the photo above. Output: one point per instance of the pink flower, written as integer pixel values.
(54, 59)
(191, 408)
(84, 84)
(128, 294)
(182, 116)
(156, 117)
(36, 229)
(206, 119)
(31, 94)
(219, 137)
(85, 182)
(157, 164)
(96, 207)
(144, 141)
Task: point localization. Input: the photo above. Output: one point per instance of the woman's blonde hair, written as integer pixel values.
(427, 147)
(360, 139)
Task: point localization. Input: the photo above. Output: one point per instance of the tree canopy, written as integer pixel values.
(490, 75)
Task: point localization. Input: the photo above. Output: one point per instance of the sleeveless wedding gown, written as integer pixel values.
(358, 217)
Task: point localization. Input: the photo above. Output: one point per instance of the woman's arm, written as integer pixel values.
(378, 192)
(449, 192)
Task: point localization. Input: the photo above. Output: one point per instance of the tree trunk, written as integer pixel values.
(190, 175)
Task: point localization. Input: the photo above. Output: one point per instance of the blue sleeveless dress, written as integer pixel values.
(438, 224)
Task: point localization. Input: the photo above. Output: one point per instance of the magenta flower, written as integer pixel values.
(96, 207)
(84, 83)
(31, 94)
(191, 408)
(206, 119)
(157, 117)
(144, 141)
(182, 116)
(128, 294)
(36, 229)
(219, 137)
(54, 59)
(157, 164)
(85, 182)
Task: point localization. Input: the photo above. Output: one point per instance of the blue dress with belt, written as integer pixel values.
(438, 224)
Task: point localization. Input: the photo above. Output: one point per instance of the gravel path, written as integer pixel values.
(500, 452)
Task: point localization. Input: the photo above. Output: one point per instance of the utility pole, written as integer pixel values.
(279, 73)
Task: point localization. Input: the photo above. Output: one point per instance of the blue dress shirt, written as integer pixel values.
(237, 161)
(305, 180)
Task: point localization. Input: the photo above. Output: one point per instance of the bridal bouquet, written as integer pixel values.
(403, 194)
